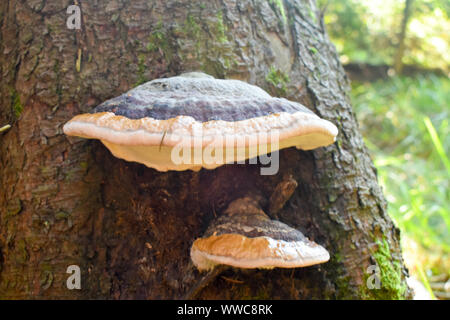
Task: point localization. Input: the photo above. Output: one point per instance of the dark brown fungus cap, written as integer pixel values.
(245, 237)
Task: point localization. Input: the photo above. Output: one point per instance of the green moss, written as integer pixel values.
(158, 44)
(158, 39)
(192, 30)
(78, 62)
(392, 285)
(152, 45)
(46, 276)
(391, 271)
(141, 70)
(84, 164)
(221, 29)
(280, 6)
(21, 251)
(192, 27)
(16, 103)
(202, 40)
(313, 50)
(345, 291)
(312, 15)
(212, 54)
(278, 79)
(14, 207)
(61, 215)
(115, 17)
(70, 176)
(388, 275)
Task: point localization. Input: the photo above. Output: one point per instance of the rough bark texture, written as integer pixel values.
(67, 201)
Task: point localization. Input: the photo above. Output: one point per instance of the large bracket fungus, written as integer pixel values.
(195, 121)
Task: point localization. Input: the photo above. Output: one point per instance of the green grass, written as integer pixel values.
(405, 125)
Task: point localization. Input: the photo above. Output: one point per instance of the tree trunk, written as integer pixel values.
(398, 59)
(68, 201)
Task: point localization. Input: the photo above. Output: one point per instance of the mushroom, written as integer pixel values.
(194, 120)
(163, 120)
(245, 237)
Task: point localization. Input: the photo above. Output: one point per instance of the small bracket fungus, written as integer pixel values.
(194, 120)
(245, 237)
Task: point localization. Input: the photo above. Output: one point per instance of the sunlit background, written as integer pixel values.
(397, 54)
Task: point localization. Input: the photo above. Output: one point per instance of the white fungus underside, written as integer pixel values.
(287, 255)
(161, 158)
(150, 142)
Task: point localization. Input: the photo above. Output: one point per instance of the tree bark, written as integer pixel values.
(68, 201)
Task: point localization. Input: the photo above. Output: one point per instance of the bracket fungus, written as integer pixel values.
(245, 237)
(195, 121)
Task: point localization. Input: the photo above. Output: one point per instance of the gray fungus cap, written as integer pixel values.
(195, 112)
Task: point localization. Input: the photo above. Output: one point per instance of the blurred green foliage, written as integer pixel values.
(405, 122)
(368, 31)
